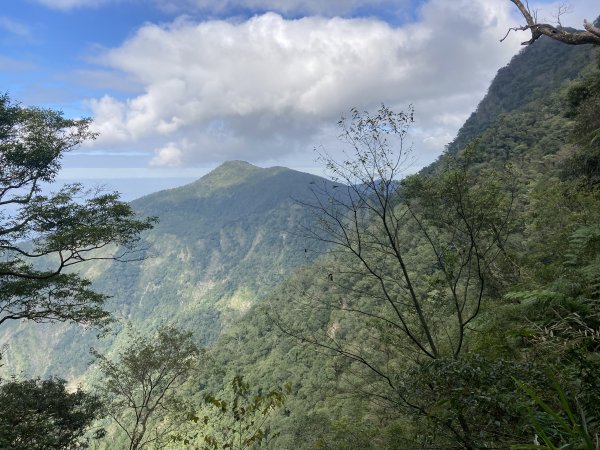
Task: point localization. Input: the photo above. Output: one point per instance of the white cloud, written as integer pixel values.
(109, 119)
(268, 87)
(168, 156)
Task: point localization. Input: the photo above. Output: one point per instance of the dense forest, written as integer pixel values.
(267, 308)
(504, 223)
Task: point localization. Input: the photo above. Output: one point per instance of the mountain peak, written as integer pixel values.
(236, 164)
(233, 176)
(232, 173)
(228, 174)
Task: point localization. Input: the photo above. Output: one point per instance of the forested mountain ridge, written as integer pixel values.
(531, 75)
(221, 243)
(539, 301)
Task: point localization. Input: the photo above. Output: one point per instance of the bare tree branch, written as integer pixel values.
(591, 35)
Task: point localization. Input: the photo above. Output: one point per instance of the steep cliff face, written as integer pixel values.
(533, 74)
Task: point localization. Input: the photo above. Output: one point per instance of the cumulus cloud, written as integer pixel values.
(168, 156)
(109, 119)
(268, 86)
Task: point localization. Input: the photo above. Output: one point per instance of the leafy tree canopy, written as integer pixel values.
(140, 386)
(42, 235)
(42, 414)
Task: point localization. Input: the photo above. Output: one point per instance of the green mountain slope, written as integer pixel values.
(522, 122)
(531, 75)
(222, 243)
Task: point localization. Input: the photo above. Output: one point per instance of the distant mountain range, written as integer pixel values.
(221, 243)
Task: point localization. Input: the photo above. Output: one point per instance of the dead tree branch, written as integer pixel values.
(591, 35)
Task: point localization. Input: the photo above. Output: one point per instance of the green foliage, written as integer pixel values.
(584, 257)
(242, 420)
(583, 101)
(563, 428)
(44, 415)
(64, 229)
(531, 76)
(140, 385)
(459, 221)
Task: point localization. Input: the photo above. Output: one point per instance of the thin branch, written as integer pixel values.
(591, 35)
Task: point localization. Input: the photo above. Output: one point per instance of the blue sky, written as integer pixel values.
(177, 86)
